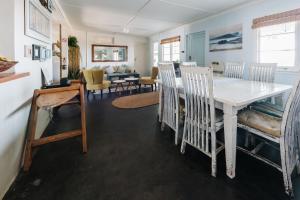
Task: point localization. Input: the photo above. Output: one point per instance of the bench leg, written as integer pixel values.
(31, 134)
(83, 121)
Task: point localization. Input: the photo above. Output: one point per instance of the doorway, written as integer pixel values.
(195, 48)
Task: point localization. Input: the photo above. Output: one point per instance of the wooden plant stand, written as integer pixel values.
(51, 98)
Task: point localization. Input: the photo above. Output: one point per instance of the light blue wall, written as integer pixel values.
(242, 15)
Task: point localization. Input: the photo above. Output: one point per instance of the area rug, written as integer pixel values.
(137, 101)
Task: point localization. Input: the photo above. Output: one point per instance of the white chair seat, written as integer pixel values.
(260, 121)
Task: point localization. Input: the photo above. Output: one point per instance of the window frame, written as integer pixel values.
(294, 68)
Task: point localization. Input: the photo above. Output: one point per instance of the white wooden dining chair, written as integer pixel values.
(262, 72)
(234, 70)
(201, 119)
(169, 98)
(188, 64)
(285, 131)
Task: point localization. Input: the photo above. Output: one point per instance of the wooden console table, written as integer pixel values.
(48, 99)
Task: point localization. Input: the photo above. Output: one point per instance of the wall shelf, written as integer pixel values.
(12, 76)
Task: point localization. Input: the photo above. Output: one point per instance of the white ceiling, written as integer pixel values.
(141, 17)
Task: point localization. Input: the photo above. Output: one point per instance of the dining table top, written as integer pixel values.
(239, 92)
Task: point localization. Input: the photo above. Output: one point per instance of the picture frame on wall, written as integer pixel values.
(48, 4)
(36, 52)
(43, 54)
(229, 38)
(37, 21)
(48, 53)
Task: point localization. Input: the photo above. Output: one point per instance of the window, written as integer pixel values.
(171, 49)
(155, 54)
(277, 44)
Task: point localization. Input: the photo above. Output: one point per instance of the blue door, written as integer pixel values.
(195, 48)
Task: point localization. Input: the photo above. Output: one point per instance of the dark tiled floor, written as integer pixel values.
(129, 158)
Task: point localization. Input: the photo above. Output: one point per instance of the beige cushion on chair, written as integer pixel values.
(147, 80)
(260, 121)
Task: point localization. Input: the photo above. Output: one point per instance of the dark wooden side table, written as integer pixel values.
(49, 99)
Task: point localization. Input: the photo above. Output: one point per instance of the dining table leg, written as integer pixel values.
(160, 104)
(230, 131)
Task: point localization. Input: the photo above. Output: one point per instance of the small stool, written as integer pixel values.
(119, 84)
(131, 82)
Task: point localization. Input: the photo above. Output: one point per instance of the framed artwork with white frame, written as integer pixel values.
(37, 21)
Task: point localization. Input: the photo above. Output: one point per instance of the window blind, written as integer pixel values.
(279, 18)
(170, 40)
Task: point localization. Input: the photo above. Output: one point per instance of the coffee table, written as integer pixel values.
(132, 81)
(119, 84)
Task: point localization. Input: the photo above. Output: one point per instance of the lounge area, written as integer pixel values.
(150, 99)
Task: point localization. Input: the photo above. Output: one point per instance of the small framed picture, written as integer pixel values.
(50, 6)
(48, 53)
(43, 56)
(36, 52)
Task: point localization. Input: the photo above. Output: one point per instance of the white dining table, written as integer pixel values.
(232, 95)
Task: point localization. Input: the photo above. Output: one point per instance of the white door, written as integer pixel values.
(195, 48)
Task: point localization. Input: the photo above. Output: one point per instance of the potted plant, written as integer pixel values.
(74, 58)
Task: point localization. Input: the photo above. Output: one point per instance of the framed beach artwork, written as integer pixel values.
(230, 38)
(37, 21)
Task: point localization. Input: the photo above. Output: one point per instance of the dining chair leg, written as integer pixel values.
(286, 177)
(152, 87)
(213, 156)
(101, 94)
(298, 168)
(176, 136)
(183, 143)
(249, 140)
(247, 136)
(109, 90)
(162, 126)
(177, 127)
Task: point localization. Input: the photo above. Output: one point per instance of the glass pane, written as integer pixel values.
(155, 60)
(175, 48)
(278, 29)
(155, 47)
(167, 52)
(282, 58)
(176, 57)
(167, 57)
(278, 42)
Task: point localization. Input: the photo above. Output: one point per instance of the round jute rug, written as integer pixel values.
(137, 101)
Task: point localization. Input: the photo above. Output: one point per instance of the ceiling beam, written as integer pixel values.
(136, 14)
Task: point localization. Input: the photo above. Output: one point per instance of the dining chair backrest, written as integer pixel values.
(290, 129)
(199, 106)
(262, 72)
(188, 64)
(234, 70)
(170, 94)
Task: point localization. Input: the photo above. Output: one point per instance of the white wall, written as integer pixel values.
(243, 15)
(16, 95)
(134, 43)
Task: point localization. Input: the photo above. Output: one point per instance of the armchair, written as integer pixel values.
(150, 80)
(95, 81)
